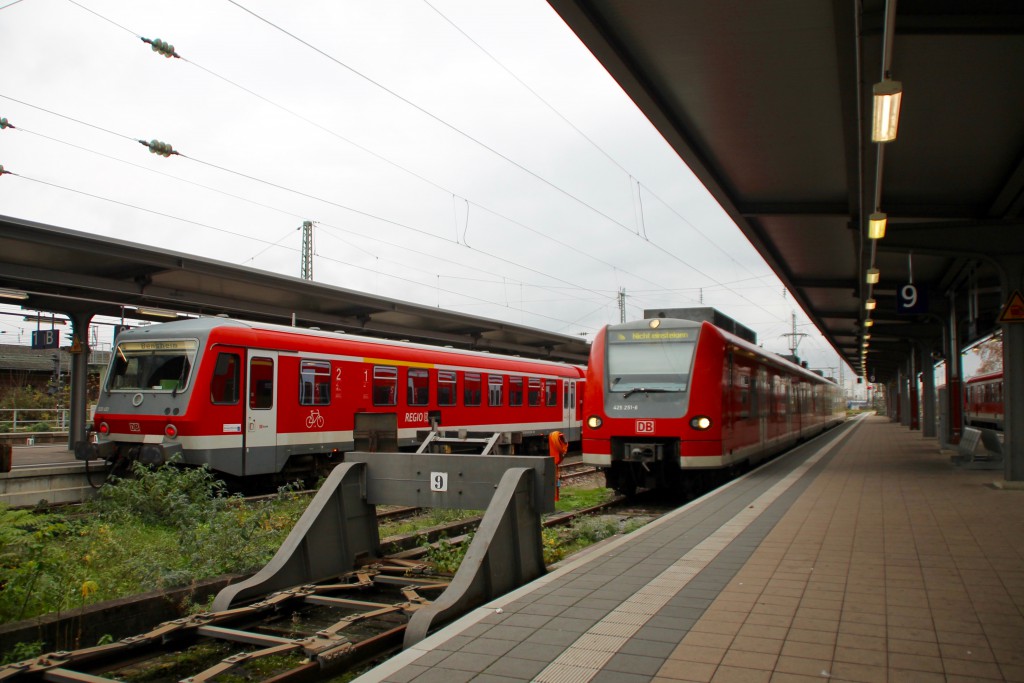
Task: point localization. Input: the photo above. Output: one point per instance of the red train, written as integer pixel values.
(983, 401)
(253, 399)
(667, 401)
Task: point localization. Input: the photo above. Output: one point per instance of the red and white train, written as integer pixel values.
(253, 399)
(667, 401)
(983, 401)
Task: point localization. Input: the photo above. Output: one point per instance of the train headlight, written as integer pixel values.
(594, 422)
(104, 428)
(171, 432)
(701, 422)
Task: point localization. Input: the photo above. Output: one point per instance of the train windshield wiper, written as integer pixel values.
(645, 390)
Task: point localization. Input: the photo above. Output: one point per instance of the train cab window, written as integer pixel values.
(446, 391)
(225, 383)
(495, 390)
(652, 363)
(417, 387)
(314, 383)
(533, 391)
(153, 365)
(385, 385)
(551, 392)
(261, 383)
(515, 391)
(472, 389)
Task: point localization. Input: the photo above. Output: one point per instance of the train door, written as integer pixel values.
(261, 414)
(569, 425)
(226, 413)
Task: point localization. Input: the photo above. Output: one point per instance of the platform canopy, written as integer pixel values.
(770, 104)
(67, 271)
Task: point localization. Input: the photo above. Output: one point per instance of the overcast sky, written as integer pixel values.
(471, 155)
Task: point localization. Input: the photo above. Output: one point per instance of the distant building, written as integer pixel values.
(46, 369)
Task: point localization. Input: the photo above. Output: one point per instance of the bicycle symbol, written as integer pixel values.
(314, 419)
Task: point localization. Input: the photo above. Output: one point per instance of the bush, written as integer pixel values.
(168, 495)
(25, 538)
(160, 529)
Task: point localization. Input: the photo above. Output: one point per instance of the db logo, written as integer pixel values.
(134, 426)
(645, 426)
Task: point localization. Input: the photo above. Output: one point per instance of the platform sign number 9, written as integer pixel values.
(912, 300)
(439, 481)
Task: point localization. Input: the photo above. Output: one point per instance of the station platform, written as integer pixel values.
(863, 555)
(42, 455)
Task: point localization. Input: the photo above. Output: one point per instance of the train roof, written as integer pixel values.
(995, 376)
(203, 326)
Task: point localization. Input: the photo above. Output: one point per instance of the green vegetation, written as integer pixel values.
(432, 517)
(562, 542)
(156, 530)
(37, 410)
(580, 498)
(444, 555)
(171, 526)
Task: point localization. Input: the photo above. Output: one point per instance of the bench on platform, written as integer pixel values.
(979, 449)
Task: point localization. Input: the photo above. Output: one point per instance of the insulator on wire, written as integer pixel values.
(162, 47)
(5, 124)
(164, 149)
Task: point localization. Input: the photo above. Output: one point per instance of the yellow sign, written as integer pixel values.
(76, 345)
(1013, 311)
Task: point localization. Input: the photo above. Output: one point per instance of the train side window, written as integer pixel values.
(515, 391)
(533, 391)
(551, 392)
(385, 385)
(225, 383)
(418, 387)
(471, 389)
(572, 394)
(314, 383)
(446, 391)
(495, 390)
(261, 383)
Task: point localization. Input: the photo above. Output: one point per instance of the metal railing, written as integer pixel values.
(30, 420)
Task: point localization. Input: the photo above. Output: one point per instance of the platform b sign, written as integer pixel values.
(45, 339)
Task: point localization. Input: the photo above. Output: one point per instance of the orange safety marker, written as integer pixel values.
(557, 448)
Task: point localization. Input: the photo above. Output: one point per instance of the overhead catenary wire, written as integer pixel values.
(205, 225)
(363, 148)
(308, 196)
(477, 141)
(251, 201)
(498, 214)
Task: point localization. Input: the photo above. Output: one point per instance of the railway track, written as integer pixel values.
(309, 632)
(71, 483)
(304, 633)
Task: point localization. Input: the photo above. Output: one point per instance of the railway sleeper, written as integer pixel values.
(333, 554)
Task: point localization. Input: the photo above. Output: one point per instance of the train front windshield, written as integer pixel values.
(646, 361)
(159, 365)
